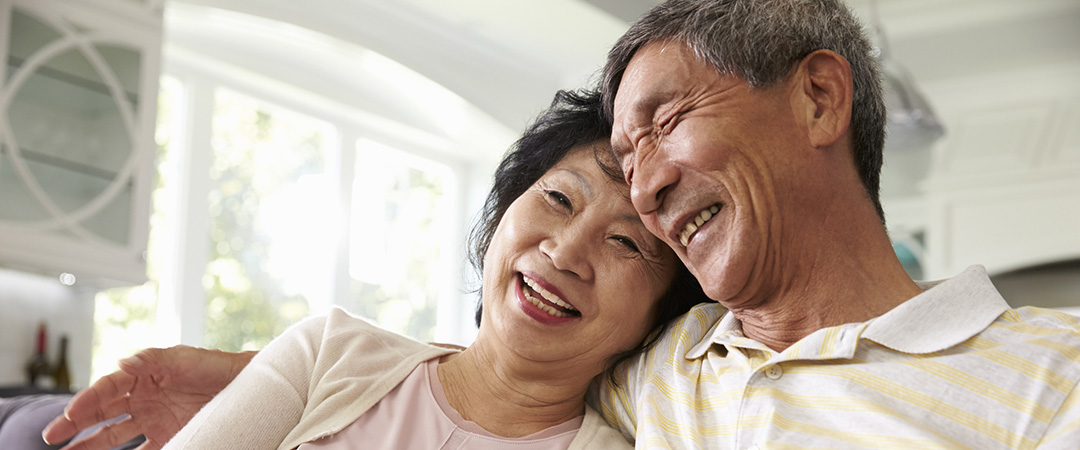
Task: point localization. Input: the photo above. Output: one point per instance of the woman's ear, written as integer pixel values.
(826, 84)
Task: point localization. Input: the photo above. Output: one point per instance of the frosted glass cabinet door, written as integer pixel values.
(76, 111)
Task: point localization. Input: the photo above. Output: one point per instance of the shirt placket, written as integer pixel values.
(756, 413)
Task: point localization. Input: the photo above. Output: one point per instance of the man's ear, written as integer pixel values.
(826, 83)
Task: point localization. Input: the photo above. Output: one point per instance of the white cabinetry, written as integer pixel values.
(1004, 190)
(78, 98)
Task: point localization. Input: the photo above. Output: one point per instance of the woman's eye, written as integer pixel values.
(629, 243)
(559, 198)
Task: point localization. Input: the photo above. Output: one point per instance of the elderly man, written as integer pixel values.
(751, 134)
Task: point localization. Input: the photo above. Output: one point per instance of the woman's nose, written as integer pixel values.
(569, 251)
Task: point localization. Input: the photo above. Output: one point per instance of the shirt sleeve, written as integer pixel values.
(616, 401)
(265, 401)
(1063, 433)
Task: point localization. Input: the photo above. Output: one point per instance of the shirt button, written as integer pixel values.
(774, 372)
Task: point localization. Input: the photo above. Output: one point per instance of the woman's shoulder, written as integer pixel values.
(340, 340)
(340, 347)
(341, 332)
(346, 364)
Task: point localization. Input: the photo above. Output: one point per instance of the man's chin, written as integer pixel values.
(723, 279)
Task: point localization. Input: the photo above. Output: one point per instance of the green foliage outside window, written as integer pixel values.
(260, 154)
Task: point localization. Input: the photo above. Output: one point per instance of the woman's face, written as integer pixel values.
(571, 274)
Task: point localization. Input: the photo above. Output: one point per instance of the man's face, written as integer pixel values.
(708, 161)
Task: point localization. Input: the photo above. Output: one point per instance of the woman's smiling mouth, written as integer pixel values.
(545, 300)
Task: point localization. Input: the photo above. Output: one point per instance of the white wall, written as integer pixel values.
(1005, 181)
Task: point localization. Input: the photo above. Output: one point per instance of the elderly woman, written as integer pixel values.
(572, 283)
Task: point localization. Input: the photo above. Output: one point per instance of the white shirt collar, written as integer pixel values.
(947, 313)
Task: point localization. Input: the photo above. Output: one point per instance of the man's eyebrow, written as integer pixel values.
(620, 144)
(618, 149)
(643, 109)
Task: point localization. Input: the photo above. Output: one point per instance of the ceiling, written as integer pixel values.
(507, 58)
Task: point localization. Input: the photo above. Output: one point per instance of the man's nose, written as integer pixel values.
(651, 181)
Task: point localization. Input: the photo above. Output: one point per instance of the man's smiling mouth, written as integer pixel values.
(692, 226)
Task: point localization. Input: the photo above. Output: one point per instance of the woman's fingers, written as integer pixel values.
(108, 436)
(104, 400)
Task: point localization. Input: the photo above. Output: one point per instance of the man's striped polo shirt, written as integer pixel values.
(953, 367)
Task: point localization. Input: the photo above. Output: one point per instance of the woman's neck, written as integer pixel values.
(508, 401)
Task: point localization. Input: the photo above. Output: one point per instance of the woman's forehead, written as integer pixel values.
(581, 163)
(583, 172)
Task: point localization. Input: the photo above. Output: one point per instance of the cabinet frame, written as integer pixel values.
(53, 248)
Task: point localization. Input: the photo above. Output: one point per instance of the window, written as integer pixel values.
(400, 217)
(270, 201)
(272, 211)
(275, 202)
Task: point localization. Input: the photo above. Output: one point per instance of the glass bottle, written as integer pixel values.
(38, 366)
(61, 374)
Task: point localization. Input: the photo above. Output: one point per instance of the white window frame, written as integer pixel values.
(182, 298)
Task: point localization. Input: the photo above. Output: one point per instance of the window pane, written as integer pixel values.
(124, 318)
(399, 222)
(270, 221)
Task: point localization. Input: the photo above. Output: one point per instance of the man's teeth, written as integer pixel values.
(693, 225)
(547, 296)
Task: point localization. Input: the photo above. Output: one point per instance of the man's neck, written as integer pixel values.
(843, 271)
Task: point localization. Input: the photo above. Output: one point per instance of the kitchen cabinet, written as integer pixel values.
(78, 102)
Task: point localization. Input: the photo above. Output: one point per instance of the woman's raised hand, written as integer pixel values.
(159, 389)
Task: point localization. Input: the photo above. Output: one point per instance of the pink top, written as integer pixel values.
(416, 415)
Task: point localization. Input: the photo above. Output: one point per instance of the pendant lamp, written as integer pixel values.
(910, 121)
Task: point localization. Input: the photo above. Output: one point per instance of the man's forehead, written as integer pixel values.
(651, 77)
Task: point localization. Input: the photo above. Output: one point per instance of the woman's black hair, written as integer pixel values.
(574, 118)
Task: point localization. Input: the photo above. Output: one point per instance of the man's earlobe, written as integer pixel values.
(828, 85)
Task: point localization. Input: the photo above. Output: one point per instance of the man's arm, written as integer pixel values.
(160, 389)
(616, 403)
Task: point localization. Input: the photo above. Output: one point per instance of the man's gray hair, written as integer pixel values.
(760, 41)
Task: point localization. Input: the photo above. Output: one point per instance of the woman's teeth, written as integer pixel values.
(693, 225)
(547, 296)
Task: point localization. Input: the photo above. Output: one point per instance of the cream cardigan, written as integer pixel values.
(316, 379)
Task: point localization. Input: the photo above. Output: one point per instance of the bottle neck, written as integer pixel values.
(41, 339)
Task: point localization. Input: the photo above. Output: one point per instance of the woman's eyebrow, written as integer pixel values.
(650, 243)
(632, 218)
(585, 186)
